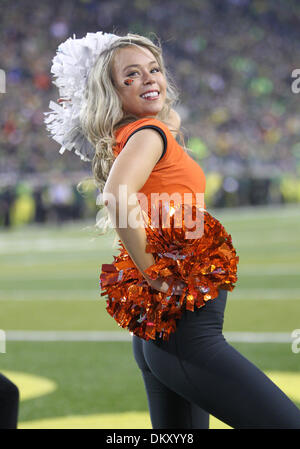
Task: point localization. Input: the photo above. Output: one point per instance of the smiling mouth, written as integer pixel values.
(151, 97)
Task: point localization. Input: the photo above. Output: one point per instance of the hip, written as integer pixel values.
(202, 327)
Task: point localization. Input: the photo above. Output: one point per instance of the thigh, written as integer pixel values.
(167, 408)
(199, 364)
(197, 337)
(240, 394)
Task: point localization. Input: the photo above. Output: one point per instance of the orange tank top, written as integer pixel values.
(175, 171)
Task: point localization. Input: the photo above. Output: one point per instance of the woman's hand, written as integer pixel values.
(162, 285)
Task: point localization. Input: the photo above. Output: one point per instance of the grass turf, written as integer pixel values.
(102, 377)
(49, 281)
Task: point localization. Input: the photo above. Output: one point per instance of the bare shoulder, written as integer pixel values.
(136, 161)
(145, 142)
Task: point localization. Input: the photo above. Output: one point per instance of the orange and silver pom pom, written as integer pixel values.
(204, 264)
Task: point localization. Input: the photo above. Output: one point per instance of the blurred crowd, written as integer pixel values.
(231, 60)
(59, 200)
(55, 201)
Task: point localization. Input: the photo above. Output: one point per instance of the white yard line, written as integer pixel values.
(249, 270)
(241, 337)
(239, 294)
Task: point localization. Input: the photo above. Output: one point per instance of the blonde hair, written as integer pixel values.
(101, 113)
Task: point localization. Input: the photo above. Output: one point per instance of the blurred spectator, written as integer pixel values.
(61, 197)
(231, 60)
(6, 199)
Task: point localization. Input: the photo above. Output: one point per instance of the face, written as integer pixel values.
(142, 76)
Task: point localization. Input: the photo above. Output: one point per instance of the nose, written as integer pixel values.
(149, 78)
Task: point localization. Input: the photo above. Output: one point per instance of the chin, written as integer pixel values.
(153, 111)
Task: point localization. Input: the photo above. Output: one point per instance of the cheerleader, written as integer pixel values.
(169, 284)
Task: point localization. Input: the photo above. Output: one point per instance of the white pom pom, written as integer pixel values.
(70, 67)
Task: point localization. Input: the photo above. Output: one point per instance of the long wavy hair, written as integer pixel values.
(101, 113)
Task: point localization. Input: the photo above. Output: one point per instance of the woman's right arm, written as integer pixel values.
(131, 169)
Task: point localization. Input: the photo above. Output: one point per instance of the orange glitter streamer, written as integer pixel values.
(205, 264)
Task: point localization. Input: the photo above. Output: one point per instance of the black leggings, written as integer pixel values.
(197, 373)
(9, 403)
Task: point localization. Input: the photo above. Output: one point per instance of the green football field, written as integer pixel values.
(50, 282)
